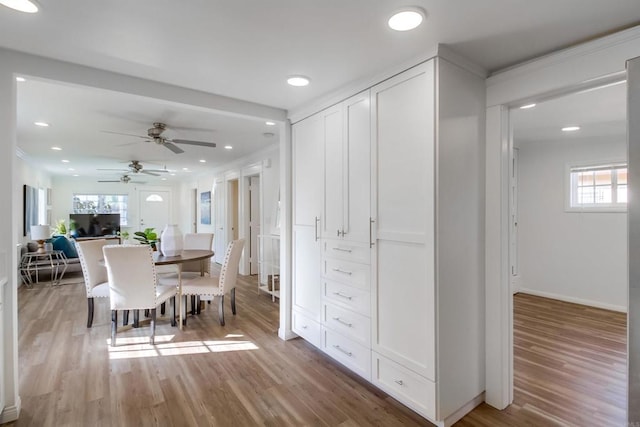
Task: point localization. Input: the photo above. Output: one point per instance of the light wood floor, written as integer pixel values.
(244, 375)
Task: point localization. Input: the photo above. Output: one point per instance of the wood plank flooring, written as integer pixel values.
(242, 374)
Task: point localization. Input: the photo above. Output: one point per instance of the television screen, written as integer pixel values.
(94, 225)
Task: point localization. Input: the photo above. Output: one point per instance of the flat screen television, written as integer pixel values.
(94, 225)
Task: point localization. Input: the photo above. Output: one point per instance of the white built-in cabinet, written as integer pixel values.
(401, 238)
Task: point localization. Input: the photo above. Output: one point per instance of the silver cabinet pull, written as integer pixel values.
(399, 382)
(342, 350)
(304, 326)
(337, 270)
(317, 220)
(339, 320)
(338, 294)
(342, 250)
(371, 221)
(338, 233)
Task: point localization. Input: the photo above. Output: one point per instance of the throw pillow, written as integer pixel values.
(61, 243)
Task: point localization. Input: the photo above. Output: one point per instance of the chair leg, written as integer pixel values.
(114, 326)
(233, 301)
(89, 312)
(153, 327)
(172, 306)
(162, 308)
(125, 317)
(136, 318)
(183, 310)
(193, 305)
(198, 305)
(221, 310)
(146, 312)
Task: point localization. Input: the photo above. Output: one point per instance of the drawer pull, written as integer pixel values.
(304, 326)
(342, 350)
(399, 382)
(342, 250)
(337, 270)
(338, 294)
(339, 320)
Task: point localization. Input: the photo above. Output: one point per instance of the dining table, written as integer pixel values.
(186, 255)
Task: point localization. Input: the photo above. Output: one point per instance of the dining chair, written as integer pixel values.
(133, 284)
(212, 286)
(95, 275)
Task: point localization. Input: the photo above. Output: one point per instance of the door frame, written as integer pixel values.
(585, 66)
(253, 170)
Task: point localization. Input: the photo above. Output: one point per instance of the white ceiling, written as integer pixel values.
(245, 49)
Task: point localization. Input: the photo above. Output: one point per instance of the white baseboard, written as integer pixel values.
(10, 413)
(457, 416)
(581, 301)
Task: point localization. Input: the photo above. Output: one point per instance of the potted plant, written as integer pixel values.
(147, 237)
(60, 229)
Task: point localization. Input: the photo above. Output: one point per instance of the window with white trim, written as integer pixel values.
(598, 187)
(102, 203)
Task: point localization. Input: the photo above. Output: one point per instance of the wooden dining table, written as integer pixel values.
(186, 255)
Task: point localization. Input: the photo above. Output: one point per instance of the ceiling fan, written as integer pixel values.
(125, 179)
(136, 167)
(155, 134)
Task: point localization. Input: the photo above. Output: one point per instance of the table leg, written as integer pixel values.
(180, 293)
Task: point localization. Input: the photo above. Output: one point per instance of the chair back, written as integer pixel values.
(229, 270)
(197, 241)
(132, 276)
(90, 254)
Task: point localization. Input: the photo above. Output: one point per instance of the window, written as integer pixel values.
(102, 203)
(599, 187)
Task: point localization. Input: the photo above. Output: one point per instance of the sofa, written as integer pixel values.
(62, 243)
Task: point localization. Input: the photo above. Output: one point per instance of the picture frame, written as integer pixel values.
(205, 208)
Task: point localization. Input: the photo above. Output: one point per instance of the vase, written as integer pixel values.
(171, 241)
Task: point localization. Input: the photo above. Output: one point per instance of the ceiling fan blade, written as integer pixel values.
(125, 134)
(201, 143)
(157, 170)
(137, 182)
(110, 181)
(173, 148)
(149, 173)
(104, 169)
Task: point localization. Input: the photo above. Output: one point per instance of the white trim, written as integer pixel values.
(464, 410)
(286, 315)
(574, 300)
(11, 413)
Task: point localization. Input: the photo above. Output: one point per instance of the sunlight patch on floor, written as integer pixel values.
(137, 347)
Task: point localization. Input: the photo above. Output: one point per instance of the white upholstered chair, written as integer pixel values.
(133, 284)
(95, 275)
(211, 286)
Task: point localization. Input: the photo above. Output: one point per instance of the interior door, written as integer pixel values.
(154, 208)
(220, 237)
(254, 223)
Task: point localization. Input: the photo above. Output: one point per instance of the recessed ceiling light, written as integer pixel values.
(270, 123)
(21, 5)
(298, 80)
(228, 147)
(56, 148)
(75, 174)
(526, 107)
(570, 128)
(185, 169)
(21, 79)
(163, 179)
(172, 174)
(406, 19)
(42, 124)
(202, 161)
(71, 169)
(65, 161)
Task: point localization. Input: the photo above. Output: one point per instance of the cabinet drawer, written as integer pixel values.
(308, 329)
(348, 323)
(351, 354)
(408, 387)
(355, 299)
(348, 251)
(351, 273)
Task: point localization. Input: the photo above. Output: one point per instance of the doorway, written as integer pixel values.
(232, 209)
(567, 239)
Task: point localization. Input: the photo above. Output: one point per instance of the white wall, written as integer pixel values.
(579, 257)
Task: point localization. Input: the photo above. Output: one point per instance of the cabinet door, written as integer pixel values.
(307, 284)
(403, 267)
(332, 224)
(307, 171)
(357, 161)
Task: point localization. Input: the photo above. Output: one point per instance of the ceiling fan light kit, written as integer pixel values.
(155, 134)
